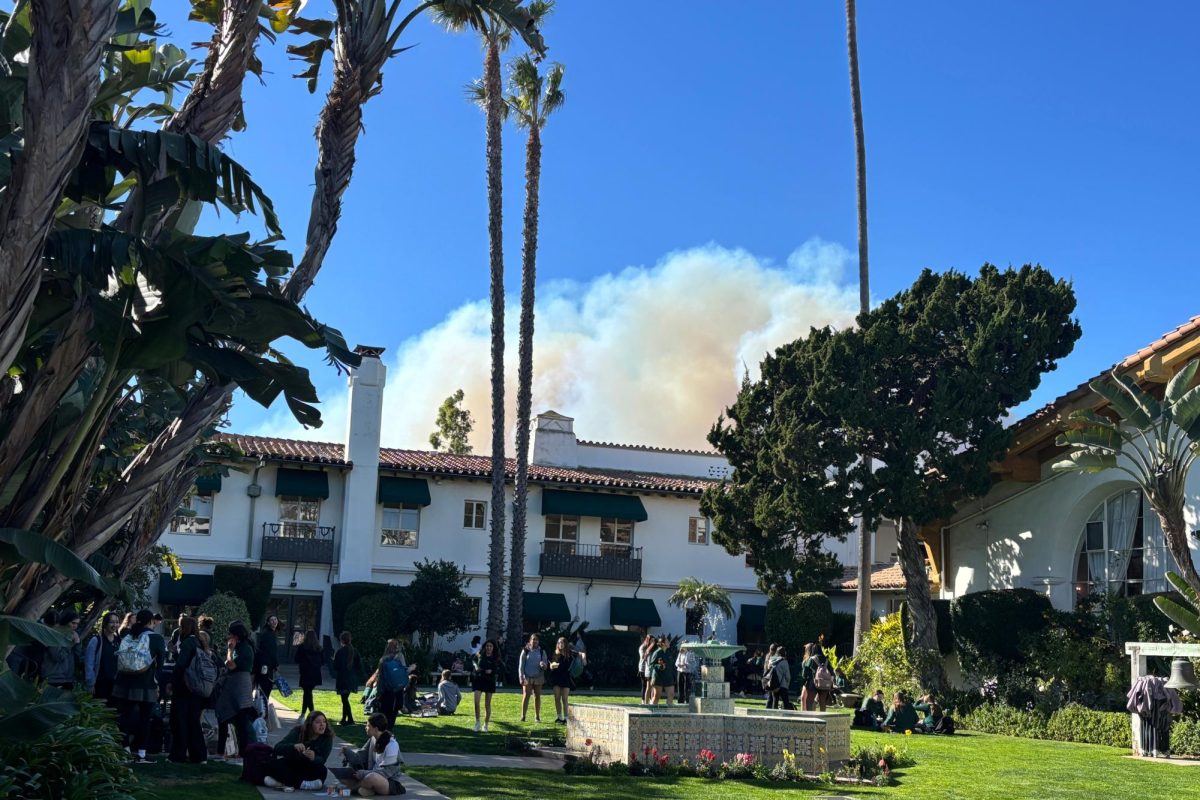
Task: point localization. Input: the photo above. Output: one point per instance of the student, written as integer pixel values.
(139, 656)
(531, 669)
(840, 682)
(347, 674)
(871, 713)
(644, 651)
(662, 671)
(205, 624)
(778, 664)
(235, 702)
(808, 672)
(187, 738)
(686, 665)
(766, 675)
(934, 721)
(483, 681)
(299, 760)
(100, 659)
(156, 622)
(387, 679)
(127, 624)
(266, 657)
(379, 773)
(560, 677)
(448, 695)
(902, 717)
(476, 645)
(59, 663)
(309, 658)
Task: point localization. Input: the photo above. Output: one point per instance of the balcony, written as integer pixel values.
(611, 562)
(291, 541)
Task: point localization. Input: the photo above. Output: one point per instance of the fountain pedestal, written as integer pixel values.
(712, 694)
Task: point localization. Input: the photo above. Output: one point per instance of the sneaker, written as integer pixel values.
(485, 727)
(477, 726)
(271, 782)
(311, 786)
(365, 792)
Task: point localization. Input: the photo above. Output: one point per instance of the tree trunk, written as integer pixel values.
(495, 100)
(862, 598)
(922, 639)
(1176, 533)
(64, 74)
(516, 578)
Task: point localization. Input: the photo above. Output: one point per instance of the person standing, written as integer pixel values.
(100, 659)
(483, 680)
(347, 674)
(59, 663)
(299, 758)
(266, 657)
(662, 671)
(531, 669)
(390, 680)
(309, 659)
(779, 673)
(644, 651)
(187, 738)
(140, 655)
(686, 665)
(235, 703)
(560, 678)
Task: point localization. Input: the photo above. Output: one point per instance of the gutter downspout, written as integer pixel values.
(253, 495)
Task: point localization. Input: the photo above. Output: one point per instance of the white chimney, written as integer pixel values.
(554, 443)
(359, 504)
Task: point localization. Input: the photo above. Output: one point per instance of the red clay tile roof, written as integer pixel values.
(433, 463)
(1167, 339)
(649, 448)
(883, 576)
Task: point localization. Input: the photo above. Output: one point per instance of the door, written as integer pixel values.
(297, 614)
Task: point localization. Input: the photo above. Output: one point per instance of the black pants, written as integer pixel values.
(265, 684)
(683, 687)
(347, 712)
(243, 729)
(306, 704)
(187, 738)
(292, 769)
(781, 699)
(135, 723)
(389, 706)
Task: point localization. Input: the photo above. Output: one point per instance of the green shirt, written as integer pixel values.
(243, 658)
(322, 746)
(873, 707)
(901, 719)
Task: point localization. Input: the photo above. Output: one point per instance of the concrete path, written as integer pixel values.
(480, 761)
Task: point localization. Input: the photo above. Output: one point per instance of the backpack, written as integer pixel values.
(200, 677)
(770, 680)
(823, 679)
(577, 665)
(393, 676)
(133, 656)
(255, 758)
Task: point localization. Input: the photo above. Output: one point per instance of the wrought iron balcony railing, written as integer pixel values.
(614, 562)
(298, 541)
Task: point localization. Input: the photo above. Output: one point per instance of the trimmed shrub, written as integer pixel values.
(796, 619)
(1075, 723)
(881, 661)
(993, 629)
(372, 620)
(1185, 737)
(1006, 721)
(251, 584)
(343, 595)
(612, 658)
(224, 608)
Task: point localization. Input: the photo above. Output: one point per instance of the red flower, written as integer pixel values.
(587, 742)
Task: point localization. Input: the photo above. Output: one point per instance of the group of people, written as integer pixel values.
(923, 716)
(819, 681)
(536, 668)
(666, 673)
(298, 761)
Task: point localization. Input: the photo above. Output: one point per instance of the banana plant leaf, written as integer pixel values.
(1182, 616)
(18, 630)
(1085, 462)
(18, 546)
(1177, 387)
(1130, 411)
(25, 715)
(1184, 589)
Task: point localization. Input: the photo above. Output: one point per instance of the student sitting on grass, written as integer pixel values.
(935, 720)
(448, 695)
(902, 717)
(375, 768)
(300, 756)
(872, 713)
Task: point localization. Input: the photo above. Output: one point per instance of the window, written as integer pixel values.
(698, 530)
(616, 537)
(749, 561)
(1123, 551)
(475, 515)
(474, 604)
(401, 524)
(693, 622)
(298, 516)
(562, 532)
(199, 521)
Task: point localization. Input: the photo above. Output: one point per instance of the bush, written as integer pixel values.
(794, 620)
(1075, 723)
(224, 608)
(251, 584)
(881, 661)
(372, 620)
(612, 658)
(80, 758)
(1185, 738)
(992, 629)
(343, 595)
(1006, 721)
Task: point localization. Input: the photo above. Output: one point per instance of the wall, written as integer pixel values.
(663, 462)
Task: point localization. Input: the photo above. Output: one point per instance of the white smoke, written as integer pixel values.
(649, 355)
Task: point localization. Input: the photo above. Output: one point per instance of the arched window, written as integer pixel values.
(1123, 550)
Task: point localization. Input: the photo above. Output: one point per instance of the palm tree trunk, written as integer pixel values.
(922, 640)
(1176, 534)
(516, 578)
(862, 598)
(64, 74)
(495, 100)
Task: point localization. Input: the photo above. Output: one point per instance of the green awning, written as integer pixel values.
(190, 590)
(545, 607)
(208, 484)
(593, 504)
(638, 611)
(753, 617)
(302, 483)
(404, 490)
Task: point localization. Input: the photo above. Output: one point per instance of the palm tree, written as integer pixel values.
(531, 100)
(695, 593)
(862, 599)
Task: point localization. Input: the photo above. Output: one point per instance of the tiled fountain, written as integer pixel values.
(711, 721)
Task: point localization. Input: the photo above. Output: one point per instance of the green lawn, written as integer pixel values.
(963, 767)
(211, 781)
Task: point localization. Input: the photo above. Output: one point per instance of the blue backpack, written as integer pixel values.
(393, 676)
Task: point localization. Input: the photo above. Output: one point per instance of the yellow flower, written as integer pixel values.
(822, 749)
(908, 733)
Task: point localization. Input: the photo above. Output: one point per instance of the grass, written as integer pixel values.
(962, 767)
(167, 781)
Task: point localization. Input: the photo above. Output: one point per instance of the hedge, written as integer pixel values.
(1071, 723)
(371, 620)
(612, 658)
(991, 628)
(343, 595)
(1185, 737)
(796, 619)
(224, 608)
(251, 584)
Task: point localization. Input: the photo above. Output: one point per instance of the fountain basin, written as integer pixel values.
(717, 651)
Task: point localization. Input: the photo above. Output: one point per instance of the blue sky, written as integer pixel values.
(1060, 133)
